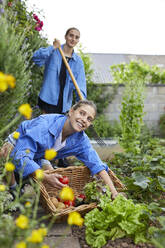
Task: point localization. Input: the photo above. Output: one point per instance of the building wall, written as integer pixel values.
(154, 104)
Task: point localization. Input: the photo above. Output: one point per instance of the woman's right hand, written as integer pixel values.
(56, 43)
(53, 180)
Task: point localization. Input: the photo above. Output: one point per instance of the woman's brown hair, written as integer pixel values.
(73, 28)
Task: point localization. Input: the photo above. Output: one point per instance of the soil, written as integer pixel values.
(79, 232)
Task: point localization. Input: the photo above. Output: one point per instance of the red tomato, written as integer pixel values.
(64, 180)
(82, 196)
(68, 203)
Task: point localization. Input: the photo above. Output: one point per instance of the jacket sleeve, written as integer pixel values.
(23, 156)
(10, 139)
(81, 81)
(27, 146)
(41, 56)
(91, 159)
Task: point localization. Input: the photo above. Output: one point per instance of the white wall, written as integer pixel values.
(154, 104)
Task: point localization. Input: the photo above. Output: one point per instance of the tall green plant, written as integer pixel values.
(131, 116)
(14, 61)
(24, 22)
(18, 41)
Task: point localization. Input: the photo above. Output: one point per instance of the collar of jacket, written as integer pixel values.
(57, 126)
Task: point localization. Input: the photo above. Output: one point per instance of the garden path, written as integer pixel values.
(60, 235)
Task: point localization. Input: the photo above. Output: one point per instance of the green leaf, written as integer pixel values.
(162, 182)
(140, 180)
(100, 241)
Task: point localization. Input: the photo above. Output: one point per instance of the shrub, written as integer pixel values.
(14, 61)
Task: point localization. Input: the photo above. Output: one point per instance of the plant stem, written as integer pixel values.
(15, 120)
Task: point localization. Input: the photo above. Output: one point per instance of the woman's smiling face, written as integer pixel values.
(72, 38)
(82, 117)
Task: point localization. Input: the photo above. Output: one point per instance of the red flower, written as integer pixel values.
(38, 28)
(9, 4)
(36, 17)
(41, 24)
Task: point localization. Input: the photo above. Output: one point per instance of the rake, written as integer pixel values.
(93, 131)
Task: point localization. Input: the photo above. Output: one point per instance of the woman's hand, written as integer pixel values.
(6, 149)
(114, 195)
(53, 180)
(106, 178)
(56, 43)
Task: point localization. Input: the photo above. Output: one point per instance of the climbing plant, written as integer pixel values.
(134, 78)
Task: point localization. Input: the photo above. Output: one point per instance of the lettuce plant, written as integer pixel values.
(116, 219)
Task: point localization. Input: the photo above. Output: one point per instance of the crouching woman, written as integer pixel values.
(65, 134)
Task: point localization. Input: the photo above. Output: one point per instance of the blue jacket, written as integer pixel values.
(39, 134)
(51, 59)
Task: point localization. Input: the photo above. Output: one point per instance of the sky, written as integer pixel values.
(106, 26)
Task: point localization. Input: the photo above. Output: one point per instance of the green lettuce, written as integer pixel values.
(116, 219)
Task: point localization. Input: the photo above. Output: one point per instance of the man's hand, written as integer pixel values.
(53, 180)
(6, 149)
(56, 43)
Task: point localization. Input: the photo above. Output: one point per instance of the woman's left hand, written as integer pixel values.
(114, 195)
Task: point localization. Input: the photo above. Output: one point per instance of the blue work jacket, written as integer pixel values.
(39, 134)
(50, 90)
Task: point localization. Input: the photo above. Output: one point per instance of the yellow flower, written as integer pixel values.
(9, 166)
(10, 81)
(45, 246)
(43, 231)
(21, 245)
(25, 110)
(36, 237)
(16, 135)
(75, 218)
(28, 204)
(39, 174)
(66, 194)
(50, 154)
(27, 151)
(22, 221)
(2, 187)
(3, 86)
(3, 83)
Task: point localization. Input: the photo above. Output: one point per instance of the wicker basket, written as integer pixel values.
(78, 177)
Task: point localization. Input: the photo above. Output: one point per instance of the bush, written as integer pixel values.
(14, 61)
(18, 41)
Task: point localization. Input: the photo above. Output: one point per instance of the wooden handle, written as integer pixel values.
(71, 74)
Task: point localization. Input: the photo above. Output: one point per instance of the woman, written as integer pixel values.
(66, 135)
(57, 90)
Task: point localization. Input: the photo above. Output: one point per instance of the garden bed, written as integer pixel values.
(79, 232)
